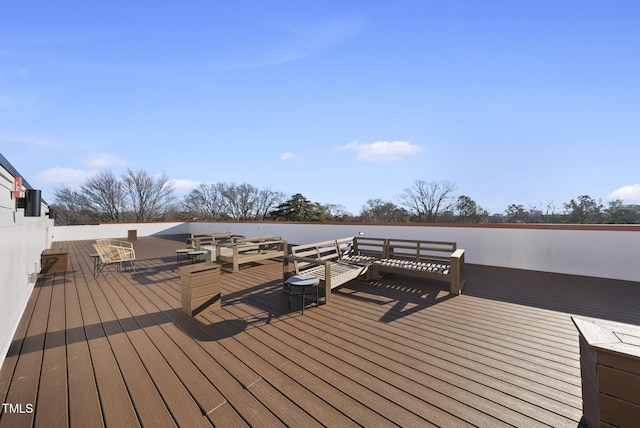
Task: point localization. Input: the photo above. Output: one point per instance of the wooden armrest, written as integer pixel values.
(458, 253)
(307, 260)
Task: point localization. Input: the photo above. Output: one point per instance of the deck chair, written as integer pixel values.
(112, 252)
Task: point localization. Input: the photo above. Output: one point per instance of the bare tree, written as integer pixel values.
(336, 212)
(149, 195)
(106, 195)
(240, 200)
(379, 211)
(427, 200)
(73, 208)
(548, 213)
(266, 201)
(205, 202)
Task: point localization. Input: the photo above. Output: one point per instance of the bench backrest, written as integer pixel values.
(373, 247)
(419, 251)
(381, 248)
(326, 250)
(197, 240)
(255, 241)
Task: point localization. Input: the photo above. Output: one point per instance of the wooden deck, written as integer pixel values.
(116, 350)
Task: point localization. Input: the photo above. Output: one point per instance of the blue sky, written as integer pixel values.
(525, 102)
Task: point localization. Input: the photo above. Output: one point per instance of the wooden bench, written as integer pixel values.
(437, 260)
(325, 261)
(198, 240)
(246, 250)
(339, 261)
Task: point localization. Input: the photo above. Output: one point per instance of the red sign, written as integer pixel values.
(17, 187)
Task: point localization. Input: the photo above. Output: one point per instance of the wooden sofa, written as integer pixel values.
(324, 260)
(339, 261)
(246, 250)
(198, 240)
(437, 260)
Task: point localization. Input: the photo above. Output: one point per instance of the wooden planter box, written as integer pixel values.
(610, 369)
(200, 287)
(132, 235)
(53, 261)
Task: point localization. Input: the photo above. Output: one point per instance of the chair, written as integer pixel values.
(112, 252)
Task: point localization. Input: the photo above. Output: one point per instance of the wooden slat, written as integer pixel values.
(84, 404)
(117, 407)
(230, 373)
(52, 395)
(23, 389)
(13, 354)
(150, 407)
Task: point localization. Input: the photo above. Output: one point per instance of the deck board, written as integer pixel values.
(118, 409)
(52, 395)
(26, 376)
(116, 350)
(146, 399)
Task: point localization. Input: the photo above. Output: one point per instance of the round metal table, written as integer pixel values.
(197, 256)
(182, 254)
(303, 282)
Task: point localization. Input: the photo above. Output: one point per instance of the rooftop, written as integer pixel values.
(116, 350)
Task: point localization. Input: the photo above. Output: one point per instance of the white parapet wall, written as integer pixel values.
(603, 251)
(118, 230)
(22, 241)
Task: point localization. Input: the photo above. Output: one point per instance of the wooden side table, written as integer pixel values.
(610, 369)
(200, 287)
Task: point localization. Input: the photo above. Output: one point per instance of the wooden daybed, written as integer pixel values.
(339, 261)
(325, 261)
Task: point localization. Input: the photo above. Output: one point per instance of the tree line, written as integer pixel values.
(139, 196)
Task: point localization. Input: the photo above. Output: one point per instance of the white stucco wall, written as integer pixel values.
(118, 230)
(598, 251)
(22, 241)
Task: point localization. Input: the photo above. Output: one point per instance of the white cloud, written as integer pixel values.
(67, 177)
(182, 185)
(627, 194)
(288, 155)
(383, 151)
(104, 160)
